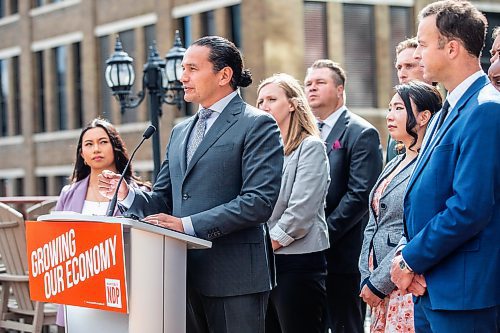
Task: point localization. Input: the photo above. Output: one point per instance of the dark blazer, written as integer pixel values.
(229, 190)
(355, 155)
(383, 232)
(452, 205)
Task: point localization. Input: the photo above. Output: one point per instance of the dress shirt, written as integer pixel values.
(457, 93)
(217, 109)
(330, 121)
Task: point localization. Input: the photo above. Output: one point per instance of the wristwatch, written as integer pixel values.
(404, 267)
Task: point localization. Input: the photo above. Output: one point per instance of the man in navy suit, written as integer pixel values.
(220, 181)
(452, 205)
(355, 156)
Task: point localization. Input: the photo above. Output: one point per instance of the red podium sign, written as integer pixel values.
(77, 263)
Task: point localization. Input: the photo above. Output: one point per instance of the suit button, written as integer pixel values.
(185, 196)
(383, 206)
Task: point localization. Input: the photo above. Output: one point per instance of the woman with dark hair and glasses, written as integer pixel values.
(410, 111)
(99, 148)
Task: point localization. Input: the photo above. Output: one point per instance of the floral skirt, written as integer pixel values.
(394, 314)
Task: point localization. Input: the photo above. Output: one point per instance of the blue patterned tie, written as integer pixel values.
(198, 133)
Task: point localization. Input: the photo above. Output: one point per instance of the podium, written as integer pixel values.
(155, 265)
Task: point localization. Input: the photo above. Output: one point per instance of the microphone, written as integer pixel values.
(112, 204)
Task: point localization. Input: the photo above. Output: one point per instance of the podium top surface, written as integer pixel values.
(191, 241)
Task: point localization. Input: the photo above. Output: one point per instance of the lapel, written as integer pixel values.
(438, 136)
(337, 131)
(290, 157)
(79, 192)
(223, 122)
(400, 177)
(185, 140)
(387, 170)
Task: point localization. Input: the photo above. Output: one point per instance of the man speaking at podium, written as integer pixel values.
(220, 181)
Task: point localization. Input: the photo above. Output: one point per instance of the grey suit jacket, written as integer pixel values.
(229, 190)
(384, 232)
(298, 219)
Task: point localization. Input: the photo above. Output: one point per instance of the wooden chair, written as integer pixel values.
(38, 209)
(17, 311)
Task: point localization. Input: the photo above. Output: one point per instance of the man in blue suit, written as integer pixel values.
(452, 204)
(220, 181)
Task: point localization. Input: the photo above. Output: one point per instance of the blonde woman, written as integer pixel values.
(297, 225)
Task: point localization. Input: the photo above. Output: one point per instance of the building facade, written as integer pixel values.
(53, 57)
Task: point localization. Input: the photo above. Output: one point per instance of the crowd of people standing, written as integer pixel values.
(307, 226)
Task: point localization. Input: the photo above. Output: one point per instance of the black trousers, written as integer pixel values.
(232, 314)
(345, 313)
(298, 302)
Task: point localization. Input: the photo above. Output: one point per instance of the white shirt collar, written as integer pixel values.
(330, 121)
(457, 93)
(221, 104)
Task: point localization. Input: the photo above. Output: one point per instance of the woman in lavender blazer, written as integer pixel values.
(99, 148)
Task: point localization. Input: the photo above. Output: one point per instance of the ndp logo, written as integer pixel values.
(113, 293)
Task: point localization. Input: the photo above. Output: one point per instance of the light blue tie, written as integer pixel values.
(198, 133)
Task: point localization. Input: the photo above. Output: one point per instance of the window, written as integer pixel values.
(37, 3)
(78, 94)
(315, 32)
(208, 23)
(60, 66)
(184, 24)
(39, 117)
(14, 7)
(149, 37)
(8, 7)
(17, 116)
(105, 91)
(128, 41)
(3, 188)
(235, 15)
(19, 187)
(60, 182)
(42, 186)
(4, 96)
(359, 55)
(401, 29)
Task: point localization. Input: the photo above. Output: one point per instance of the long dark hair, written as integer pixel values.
(424, 96)
(82, 170)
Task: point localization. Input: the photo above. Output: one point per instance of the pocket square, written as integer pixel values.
(336, 145)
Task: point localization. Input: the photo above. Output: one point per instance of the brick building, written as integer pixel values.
(53, 53)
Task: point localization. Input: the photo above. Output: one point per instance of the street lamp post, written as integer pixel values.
(161, 80)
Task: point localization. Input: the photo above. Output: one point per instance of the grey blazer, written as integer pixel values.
(229, 189)
(298, 219)
(383, 233)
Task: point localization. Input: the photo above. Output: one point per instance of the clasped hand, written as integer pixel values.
(406, 281)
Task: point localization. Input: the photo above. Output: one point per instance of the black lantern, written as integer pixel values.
(173, 72)
(120, 74)
(161, 80)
